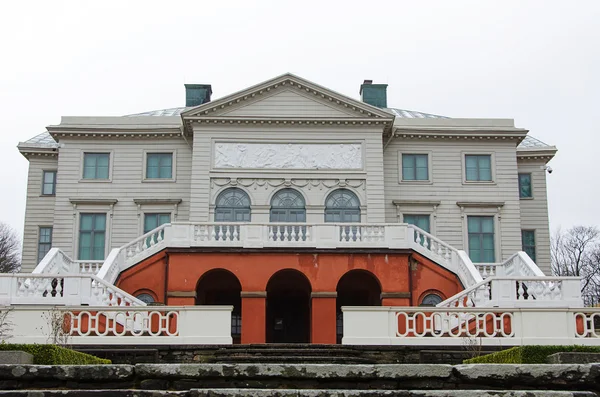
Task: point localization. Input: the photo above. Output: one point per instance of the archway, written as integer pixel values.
(221, 287)
(288, 308)
(355, 288)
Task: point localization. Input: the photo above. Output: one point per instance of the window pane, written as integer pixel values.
(165, 172)
(102, 160)
(98, 246)
(488, 242)
(487, 224)
(164, 218)
(99, 222)
(525, 185)
(484, 162)
(85, 243)
(48, 177)
(421, 160)
(474, 224)
(86, 222)
(150, 222)
(408, 167)
(489, 256)
(471, 162)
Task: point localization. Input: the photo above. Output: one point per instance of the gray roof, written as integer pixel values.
(532, 143)
(161, 112)
(411, 114)
(45, 140)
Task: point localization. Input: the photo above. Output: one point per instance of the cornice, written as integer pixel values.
(143, 201)
(462, 134)
(115, 133)
(536, 154)
(480, 204)
(38, 152)
(80, 201)
(287, 120)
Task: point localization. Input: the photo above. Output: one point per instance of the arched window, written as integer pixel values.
(146, 298)
(431, 300)
(232, 205)
(342, 205)
(287, 205)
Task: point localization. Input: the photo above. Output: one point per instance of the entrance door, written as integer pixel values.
(288, 308)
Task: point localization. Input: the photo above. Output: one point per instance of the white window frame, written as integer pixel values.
(173, 177)
(111, 157)
(55, 179)
(478, 153)
(92, 206)
(493, 209)
(155, 206)
(416, 207)
(429, 179)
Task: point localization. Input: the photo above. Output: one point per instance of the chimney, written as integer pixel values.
(374, 94)
(197, 94)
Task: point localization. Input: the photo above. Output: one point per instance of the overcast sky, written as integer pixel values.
(535, 61)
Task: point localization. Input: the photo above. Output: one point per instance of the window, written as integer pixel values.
(95, 165)
(146, 298)
(528, 242)
(420, 221)
(44, 242)
(92, 232)
(431, 300)
(415, 167)
(481, 238)
(525, 186)
(478, 167)
(49, 183)
(152, 221)
(159, 166)
(342, 205)
(287, 205)
(232, 205)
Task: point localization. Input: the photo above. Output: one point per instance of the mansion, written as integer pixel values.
(287, 201)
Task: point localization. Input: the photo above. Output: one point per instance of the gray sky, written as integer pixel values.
(535, 61)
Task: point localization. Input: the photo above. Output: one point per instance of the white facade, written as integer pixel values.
(286, 133)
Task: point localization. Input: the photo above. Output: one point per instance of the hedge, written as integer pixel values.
(55, 355)
(528, 354)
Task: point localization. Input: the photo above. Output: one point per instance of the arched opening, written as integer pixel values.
(355, 288)
(232, 205)
(342, 206)
(432, 298)
(287, 205)
(288, 308)
(221, 287)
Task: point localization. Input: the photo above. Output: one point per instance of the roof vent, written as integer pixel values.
(374, 94)
(197, 94)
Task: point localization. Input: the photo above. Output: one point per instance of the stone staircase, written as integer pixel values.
(290, 354)
(312, 380)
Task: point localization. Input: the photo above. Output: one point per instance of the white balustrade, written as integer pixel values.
(96, 325)
(460, 326)
(88, 267)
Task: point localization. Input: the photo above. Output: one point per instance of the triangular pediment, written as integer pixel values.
(287, 96)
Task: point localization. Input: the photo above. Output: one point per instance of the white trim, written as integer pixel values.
(429, 179)
(107, 231)
(492, 155)
(111, 157)
(417, 207)
(530, 182)
(173, 177)
(494, 212)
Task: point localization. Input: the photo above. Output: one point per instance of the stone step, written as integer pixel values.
(302, 359)
(184, 377)
(293, 393)
(287, 352)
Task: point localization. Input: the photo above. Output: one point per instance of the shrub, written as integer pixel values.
(55, 355)
(528, 354)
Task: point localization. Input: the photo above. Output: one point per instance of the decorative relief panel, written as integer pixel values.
(327, 156)
(265, 183)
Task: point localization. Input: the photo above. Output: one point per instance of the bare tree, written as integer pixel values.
(10, 247)
(577, 253)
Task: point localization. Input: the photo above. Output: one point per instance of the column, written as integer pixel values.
(322, 321)
(254, 316)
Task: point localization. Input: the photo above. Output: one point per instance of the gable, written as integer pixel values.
(287, 96)
(288, 103)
